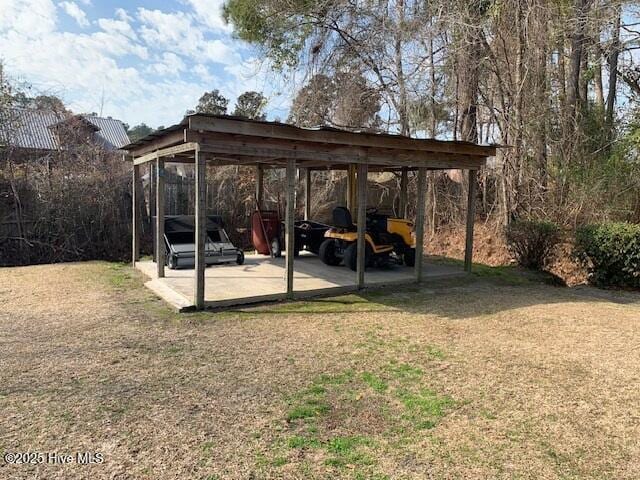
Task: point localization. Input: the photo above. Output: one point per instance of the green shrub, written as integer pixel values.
(531, 242)
(611, 253)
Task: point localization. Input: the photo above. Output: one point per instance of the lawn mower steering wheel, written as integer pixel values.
(372, 210)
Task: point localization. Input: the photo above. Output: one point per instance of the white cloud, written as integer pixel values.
(112, 26)
(177, 32)
(169, 65)
(202, 73)
(170, 31)
(163, 103)
(29, 17)
(112, 43)
(148, 65)
(220, 52)
(74, 11)
(209, 12)
(78, 65)
(121, 14)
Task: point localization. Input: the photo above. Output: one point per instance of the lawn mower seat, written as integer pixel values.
(342, 219)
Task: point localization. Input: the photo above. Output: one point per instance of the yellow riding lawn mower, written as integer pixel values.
(386, 239)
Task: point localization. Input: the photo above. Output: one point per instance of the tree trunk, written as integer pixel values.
(562, 74)
(541, 108)
(402, 89)
(432, 92)
(612, 65)
(597, 80)
(469, 81)
(578, 39)
(584, 78)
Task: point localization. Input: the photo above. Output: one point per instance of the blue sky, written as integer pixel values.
(139, 61)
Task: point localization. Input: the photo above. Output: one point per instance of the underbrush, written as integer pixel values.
(611, 252)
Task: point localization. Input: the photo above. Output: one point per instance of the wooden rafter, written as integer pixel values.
(166, 152)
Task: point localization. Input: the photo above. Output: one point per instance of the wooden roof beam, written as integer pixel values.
(338, 153)
(289, 132)
(166, 152)
(363, 156)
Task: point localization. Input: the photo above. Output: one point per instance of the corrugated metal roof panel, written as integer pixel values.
(185, 122)
(25, 128)
(111, 130)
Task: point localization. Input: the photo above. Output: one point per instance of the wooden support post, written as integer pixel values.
(201, 227)
(307, 194)
(289, 224)
(420, 210)
(152, 202)
(136, 223)
(259, 185)
(404, 182)
(160, 248)
(351, 188)
(142, 203)
(361, 224)
(471, 217)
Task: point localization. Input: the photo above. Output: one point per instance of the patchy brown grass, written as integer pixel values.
(485, 378)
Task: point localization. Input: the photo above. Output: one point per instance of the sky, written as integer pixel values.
(137, 61)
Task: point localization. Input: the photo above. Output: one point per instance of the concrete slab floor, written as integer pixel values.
(262, 278)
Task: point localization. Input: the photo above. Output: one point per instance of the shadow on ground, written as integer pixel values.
(455, 298)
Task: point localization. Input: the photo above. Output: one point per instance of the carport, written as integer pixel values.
(203, 140)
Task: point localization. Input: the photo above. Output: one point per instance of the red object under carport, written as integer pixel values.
(266, 231)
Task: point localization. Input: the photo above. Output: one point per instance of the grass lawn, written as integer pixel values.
(497, 376)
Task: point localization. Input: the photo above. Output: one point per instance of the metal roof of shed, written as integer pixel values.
(237, 140)
(324, 128)
(32, 129)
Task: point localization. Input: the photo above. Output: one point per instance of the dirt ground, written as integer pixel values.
(490, 248)
(493, 377)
